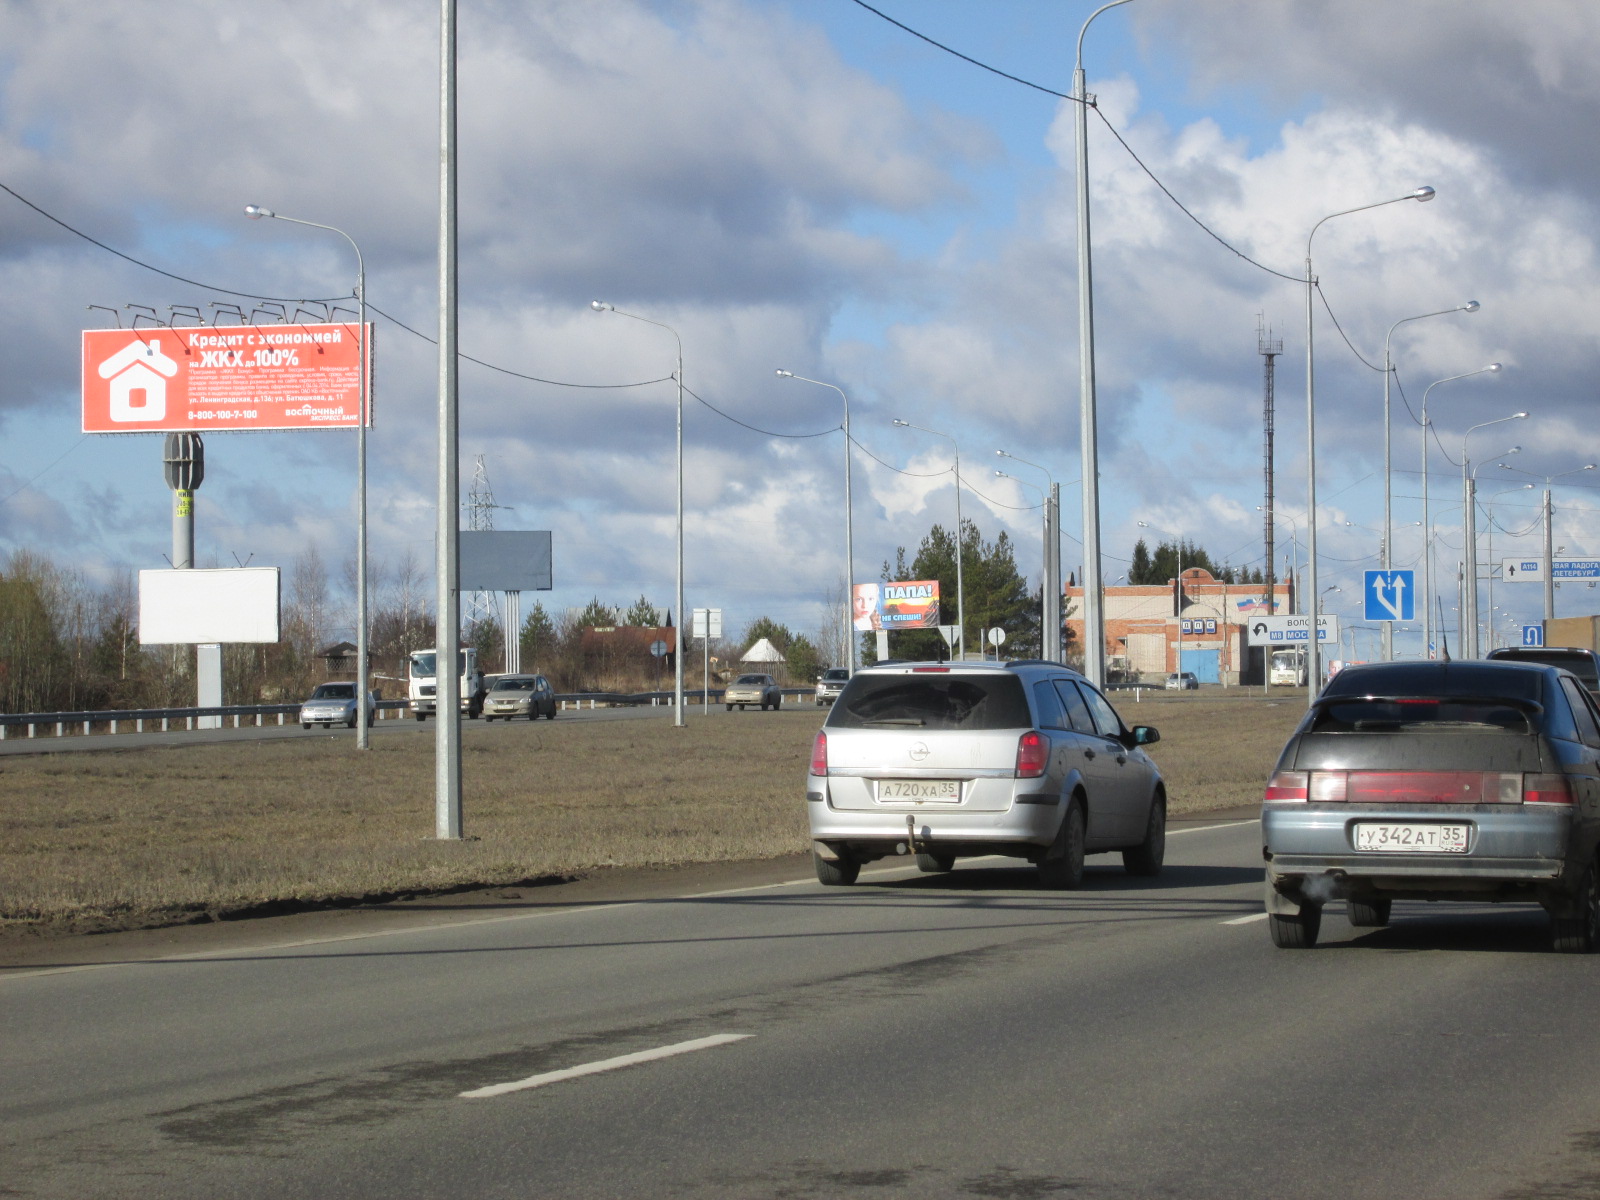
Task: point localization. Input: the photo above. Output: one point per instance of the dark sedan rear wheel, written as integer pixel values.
(1296, 933)
(1369, 914)
(1579, 933)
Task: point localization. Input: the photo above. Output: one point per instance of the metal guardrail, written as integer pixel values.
(166, 720)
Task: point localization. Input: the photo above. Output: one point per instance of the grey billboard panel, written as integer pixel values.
(505, 560)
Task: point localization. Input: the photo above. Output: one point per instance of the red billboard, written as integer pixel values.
(231, 377)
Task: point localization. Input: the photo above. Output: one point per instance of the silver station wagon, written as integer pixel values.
(1475, 781)
(952, 760)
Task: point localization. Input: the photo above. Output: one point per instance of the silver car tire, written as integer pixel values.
(305, 724)
(1146, 858)
(839, 873)
(935, 864)
(1061, 869)
(1579, 934)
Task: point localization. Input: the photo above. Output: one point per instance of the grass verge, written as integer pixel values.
(142, 837)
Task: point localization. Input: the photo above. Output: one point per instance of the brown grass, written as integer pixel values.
(133, 838)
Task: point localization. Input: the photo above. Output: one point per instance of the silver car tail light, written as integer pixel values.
(1546, 789)
(819, 754)
(1286, 787)
(1033, 755)
(1328, 787)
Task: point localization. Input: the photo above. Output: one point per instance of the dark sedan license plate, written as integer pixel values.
(1402, 837)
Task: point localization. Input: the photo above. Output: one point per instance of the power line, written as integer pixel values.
(93, 241)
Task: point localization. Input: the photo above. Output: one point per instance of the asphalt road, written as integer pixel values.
(963, 1035)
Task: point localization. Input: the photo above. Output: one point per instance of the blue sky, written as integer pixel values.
(799, 184)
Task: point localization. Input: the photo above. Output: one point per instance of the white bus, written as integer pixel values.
(1288, 668)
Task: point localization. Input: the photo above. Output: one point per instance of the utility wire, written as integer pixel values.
(757, 428)
(93, 241)
(965, 58)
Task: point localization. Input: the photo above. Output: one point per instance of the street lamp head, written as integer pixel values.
(1492, 367)
(1002, 454)
(1470, 306)
(785, 374)
(1519, 416)
(255, 212)
(1422, 194)
(601, 306)
(898, 421)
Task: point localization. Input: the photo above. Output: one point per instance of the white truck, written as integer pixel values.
(422, 683)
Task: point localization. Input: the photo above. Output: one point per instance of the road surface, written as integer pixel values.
(965, 1035)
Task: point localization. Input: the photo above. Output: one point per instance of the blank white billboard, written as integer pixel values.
(234, 604)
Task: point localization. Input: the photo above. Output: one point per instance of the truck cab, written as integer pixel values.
(422, 683)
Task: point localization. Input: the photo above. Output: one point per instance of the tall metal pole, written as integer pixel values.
(363, 669)
(1388, 489)
(1313, 645)
(447, 640)
(1094, 623)
(1549, 561)
(1050, 609)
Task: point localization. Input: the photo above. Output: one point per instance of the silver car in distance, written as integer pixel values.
(950, 760)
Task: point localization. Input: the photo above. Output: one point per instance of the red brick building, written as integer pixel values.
(1153, 630)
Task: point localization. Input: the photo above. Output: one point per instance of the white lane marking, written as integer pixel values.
(605, 1064)
(1250, 920)
(1208, 828)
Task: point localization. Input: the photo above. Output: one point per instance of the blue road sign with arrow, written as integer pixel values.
(1391, 596)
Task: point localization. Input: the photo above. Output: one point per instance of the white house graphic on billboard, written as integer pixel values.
(138, 389)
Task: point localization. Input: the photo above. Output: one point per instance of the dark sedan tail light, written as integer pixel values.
(1033, 755)
(819, 754)
(1417, 787)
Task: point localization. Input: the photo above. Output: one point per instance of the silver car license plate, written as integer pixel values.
(1407, 838)
(919, 791)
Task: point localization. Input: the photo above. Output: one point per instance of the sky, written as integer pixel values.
(801, 185)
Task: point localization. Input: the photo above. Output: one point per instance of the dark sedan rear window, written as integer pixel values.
(1429, 714)
(1580, 663)
(1438, 679)
(932, 701)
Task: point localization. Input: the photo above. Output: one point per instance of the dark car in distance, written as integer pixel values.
(1469, 781)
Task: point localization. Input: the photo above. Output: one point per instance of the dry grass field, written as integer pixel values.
(131, 838)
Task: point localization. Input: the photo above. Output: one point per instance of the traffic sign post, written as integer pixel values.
(1291, 630)
(1390, 596)
(707, 624)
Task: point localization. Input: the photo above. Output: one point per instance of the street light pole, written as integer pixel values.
(1427, 516)
(1549, 536)
(1469, 535)
(1050, 637)
(849, 543)
(1313, 647)
(961, 593)
(1471, 306)
(677, 618)
(1094, 624)
(363, 719)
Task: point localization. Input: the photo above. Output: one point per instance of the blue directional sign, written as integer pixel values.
(1533, 635)
(1391, 596)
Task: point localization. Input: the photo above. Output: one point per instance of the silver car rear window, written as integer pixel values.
(932, 701)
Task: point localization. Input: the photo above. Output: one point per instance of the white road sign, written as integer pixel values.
(1289, 631)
